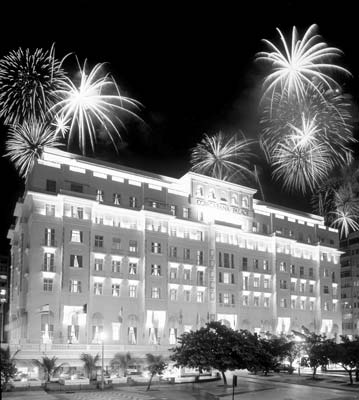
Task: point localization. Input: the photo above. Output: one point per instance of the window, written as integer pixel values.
(199, 257)
(98, 264)
(50, 210)
(226, 298)
(212, 194)
(99, 195)
(49, 237)
(283, 267)
(283, 303)
(220, 280)
(186, 254)
(301, 271)
(185, 212)
(256, 282)
(335, 307)
(50, 186)
(187, 295)
(245, 202)
(199, 191)
(326, 289)
(155, 293)
(266, 283)
(292, 269)
(311, 305)
(302, 288)
(155, 270)
(98, 241)
(266, 302)
(265, 265)
(326, 306)
(49, 260)
(186, 274)
(75, 261)
(302, 304)
(133, 201)
(76, 236)
(116, 199)
(245, 300)
(245, 264)
(226, 260)
(76, 187)
(116, 328)
(173, 209)
(98, 288)
(156, 248)
(326, 273)
(173, 251)
(98, 219)
(292, 286)
(47, 285)
(199, 236)
(132, 247)
(116, 266)
(132, 268)
(172, 335)
(227, 277)
(77, 212)
(133, 291)
(116, 243)
(245, 283)
(311, 288)
(255, 264)
(173, 273)
(200, 278)
(75, 286)
(293, 303)
(200, 297)
(132, 335)
(173, 294)
(256, 301)
(283, 284)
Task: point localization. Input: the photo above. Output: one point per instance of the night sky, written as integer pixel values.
(190, 65)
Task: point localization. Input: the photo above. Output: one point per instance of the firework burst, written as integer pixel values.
(345, 221)
(301, 166)
(91, 104)
(27, 84)
(323, 114)
(222, 157)
(26, 143)
(298, 63)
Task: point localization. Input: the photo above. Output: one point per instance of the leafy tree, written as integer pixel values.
(346, 354)
(8, 367)
(121, 361)
(90, 366)
(48, 366)
(214, 346)
(156, 365)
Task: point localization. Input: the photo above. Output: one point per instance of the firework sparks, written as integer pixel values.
(323, 114)
(345, 221)
(27, 84)
(91, 104)
(302, 167)
(61, 125)
(26, 143)
(299, 63)
(222, 157)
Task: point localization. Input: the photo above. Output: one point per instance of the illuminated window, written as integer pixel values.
(75, 286)
(155, 270)
(256, 282)
(302, 288)
(283, 303)
(256, 301)
(187, 295)
(186, 274)
(49, 261)
(98, 241)
(133, 201)
(266, 283)
(234, 200)
(311, 305)
(173, 209)
(132, 291)
(245, 283)
(76, 236)
(47, 285)
(173, 273)
(200, 297)
(77, 212)
(173, 251)
(132, 247)
(283, 284)
(116, 290)
(99, 195)
(283, 267)
(99, 219)
(185, 212)
(225, 298)
(75, 261)
(50, 210)
(292, 269)
(265, 265)
(98, 264)
(199, 257)
(132, 268)
(49, 237)
(98, 288)
(245, 202)
(186, 254)
(116, 266)
(245, 300)
(292, 303)
(156, 248)
(199, 191)
(132, 335)
(302, 305)
(116, 328)
(326, 306)
(173, 294)
(155, 293)
(116, 199)
(335, 307)
(266, 302)
(173, 336)
(116, 243)
(255, 264)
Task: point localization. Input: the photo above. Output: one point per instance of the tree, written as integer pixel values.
(90, 362)
(214, 346)
(121, 361)
(156, 365)
(8, 366)
(48, 366)
(346, 354)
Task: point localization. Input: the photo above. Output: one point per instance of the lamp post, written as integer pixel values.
(102, 337)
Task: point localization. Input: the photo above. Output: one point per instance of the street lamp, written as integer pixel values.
(102, 338)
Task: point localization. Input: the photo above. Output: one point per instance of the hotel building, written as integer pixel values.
(100, 248)
(350, 284)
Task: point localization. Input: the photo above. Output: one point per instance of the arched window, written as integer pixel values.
(97, 327)
(245, 202)
(234, 200)
(223, 196)
(199, 191)
(212, 194)
(47, 327)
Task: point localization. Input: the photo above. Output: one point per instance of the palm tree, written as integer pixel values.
(8, 367)
(121, 361)
(156, 365)
(48, 365)
(90, 362)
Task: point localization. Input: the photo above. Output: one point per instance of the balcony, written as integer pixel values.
(49, 243)
(159, 208)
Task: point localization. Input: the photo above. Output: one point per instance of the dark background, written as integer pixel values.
(191, 65)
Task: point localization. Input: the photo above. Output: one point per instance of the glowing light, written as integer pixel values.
(26, 143)
(298, 63)
(28, 81)
(222, 157)
(61, 125)
(92, 104)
